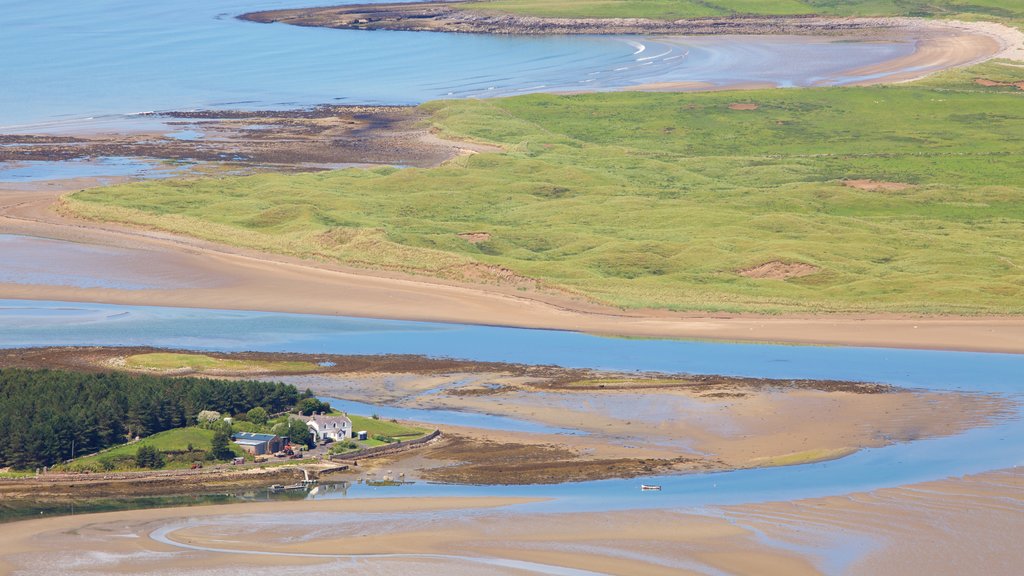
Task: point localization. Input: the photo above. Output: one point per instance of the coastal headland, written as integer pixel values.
(940, 44)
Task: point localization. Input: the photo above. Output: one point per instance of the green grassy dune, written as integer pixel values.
(161, 361)
(661, 200)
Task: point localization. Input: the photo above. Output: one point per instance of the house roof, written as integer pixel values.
(253, 436)
(243, 442)
(321, 420)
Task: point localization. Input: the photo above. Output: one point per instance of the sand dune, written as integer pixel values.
(248, 280)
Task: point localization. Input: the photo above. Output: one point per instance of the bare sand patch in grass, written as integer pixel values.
(993, 84)
(874, 185)
(475, 237)
(778, 270)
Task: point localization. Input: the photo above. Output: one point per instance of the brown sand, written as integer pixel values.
(687, 428)
(248, 280)
(954, 526)
(874, 185)
(943, 45)
(969, 525)
(776, 270)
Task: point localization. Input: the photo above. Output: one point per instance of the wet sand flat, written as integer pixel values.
(957, 525)
(32, 260)
(683, 428)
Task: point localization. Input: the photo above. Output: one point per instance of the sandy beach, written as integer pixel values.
(957, 525)
(248, 280)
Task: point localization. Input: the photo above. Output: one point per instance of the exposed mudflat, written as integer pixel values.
(540, 377)
(302, 139)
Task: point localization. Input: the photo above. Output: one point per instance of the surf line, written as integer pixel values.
(161, 535)
(639, 47)
(666, 53)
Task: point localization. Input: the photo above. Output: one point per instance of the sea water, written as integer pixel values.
(68, 61)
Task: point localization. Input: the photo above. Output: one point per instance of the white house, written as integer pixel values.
(322, 426)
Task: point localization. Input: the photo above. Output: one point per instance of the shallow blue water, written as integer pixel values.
(69, 60)
(445, 417)
(108, 166)
(25, 323)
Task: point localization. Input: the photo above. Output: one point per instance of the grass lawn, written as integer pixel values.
(670, 200)
(385, 428)
(374, 428)
(176, 440)
(200, 363)
(674, 9)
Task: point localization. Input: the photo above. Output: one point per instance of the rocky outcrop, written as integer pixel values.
(450, 17)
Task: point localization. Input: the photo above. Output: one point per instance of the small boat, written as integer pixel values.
(277, 488)
(649, 487)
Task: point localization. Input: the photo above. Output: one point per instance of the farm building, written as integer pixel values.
(322, 426)
(258, 443)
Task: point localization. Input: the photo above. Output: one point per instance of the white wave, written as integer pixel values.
(639, 47)
(666, 53)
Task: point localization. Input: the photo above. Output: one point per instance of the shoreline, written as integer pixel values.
(940, 44)
(240, 279)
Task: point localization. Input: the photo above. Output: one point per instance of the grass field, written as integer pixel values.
(162, 361)
(385, 428)
(675, 9)
(662, 200)
(176, 440)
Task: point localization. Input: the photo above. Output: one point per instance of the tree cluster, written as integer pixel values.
(309, 406)
(49, 416)
(149, 457)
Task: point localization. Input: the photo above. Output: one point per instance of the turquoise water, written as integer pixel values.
(108, 166)
(65, 61)
(26, 323)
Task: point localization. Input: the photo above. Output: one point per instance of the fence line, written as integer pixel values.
(392, 448)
